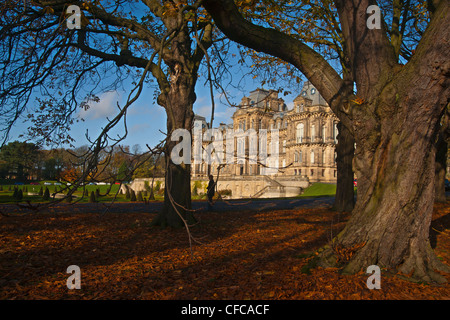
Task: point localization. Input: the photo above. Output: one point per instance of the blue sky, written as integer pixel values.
(145, 118)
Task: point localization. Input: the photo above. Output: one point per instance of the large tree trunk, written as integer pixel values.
(177, 193)
(345, 198)
(389, 226)
(394, 120)
(345, 149)
(441, 158)
(177, 197)
(178, 100)
(395, 130)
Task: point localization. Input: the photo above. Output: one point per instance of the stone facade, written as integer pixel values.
(306, 142)
(240, 186)
(304, 147)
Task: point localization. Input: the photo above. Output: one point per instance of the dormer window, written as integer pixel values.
(313, 91)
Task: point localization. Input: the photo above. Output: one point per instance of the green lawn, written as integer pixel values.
(319, 190)
(6, 196)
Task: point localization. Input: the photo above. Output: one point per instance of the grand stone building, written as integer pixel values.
(304, 143)
(298, 146)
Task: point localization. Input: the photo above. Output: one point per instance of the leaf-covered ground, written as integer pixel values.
(234, 255)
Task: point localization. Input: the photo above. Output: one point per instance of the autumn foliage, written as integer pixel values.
(70, 175)
(234, 255)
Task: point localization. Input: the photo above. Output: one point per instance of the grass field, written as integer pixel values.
(6, 195)
(319, 190)
(30, 193)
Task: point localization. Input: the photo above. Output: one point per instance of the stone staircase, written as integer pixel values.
(278, 188)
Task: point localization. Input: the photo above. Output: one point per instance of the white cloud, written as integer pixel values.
(204, 111)
(106, 107)
(222, 113)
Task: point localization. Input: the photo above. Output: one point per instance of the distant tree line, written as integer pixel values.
(25, 161)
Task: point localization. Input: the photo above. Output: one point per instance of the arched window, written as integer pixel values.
(335, 132)
(300, 133)
(324, 131)
(300, 157)
(312, 156)
(241, 149)
(313, 132)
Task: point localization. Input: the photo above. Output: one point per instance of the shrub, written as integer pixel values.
(127, 193)
(139, 196)
(132, 195)
(225, 192)
(19, 195)
(41, 192)
(194, 190)
(152, 196)
(46, 195)
(92, 197)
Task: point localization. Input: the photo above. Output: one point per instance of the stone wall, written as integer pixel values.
(241, 186)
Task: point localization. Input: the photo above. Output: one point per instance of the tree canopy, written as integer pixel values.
(394, 117)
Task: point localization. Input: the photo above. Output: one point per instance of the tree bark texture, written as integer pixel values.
(178, 100)
(394, 119)
(177, 193)
(345, 199)
(441, 157)
(395, 129)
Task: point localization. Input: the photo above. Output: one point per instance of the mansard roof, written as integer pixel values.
(257, 97)
(310, 92)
